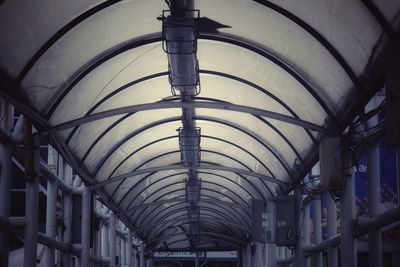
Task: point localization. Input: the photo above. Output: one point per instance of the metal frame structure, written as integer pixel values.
(193, 204)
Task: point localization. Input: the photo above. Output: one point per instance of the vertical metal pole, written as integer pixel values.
(374, 205)
(142, 263)
(113, 240)
(135, 261)
(316, 202)
(123, 252)
(118, 248)
(306, 232)
(298, 252)
(272, 253)
(86, 212)
(5, 182)
(248, 255)
(332, 230)
(196, 260)
(129, 249)
(51, 226)
(32, 196)
(347, 206)
(104, 240)
(67, 212)
(244, 259)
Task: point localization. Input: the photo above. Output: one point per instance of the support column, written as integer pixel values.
(51, 226)
(316, 202)
(86, 212)
(32, 161)
(248, 255)
(306, 232)
(5, 181)
(67, 212)
(113, 240)
(196, 260)
(142, 262)
(118, 249)
(374, 205)
(272, 255)
(135, 260)
(347, 206)
(332, 230)
(123, 252)
(129, 249)
(298, 252)
(104, 240)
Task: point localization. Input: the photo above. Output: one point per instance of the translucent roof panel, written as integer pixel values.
(292, 69)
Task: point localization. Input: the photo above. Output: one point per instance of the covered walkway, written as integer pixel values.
(265, 130)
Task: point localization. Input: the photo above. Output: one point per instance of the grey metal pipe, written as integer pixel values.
(129, 249)
(306, 231)
(5, 198)
(316, 202)
(374, 205)
(332, 230)
(142, 262)
(85, 235)
(104, 240)
(5, 176)
(51, 226)
(31, 199)
(113, 240)
(67, 213)
(347, 206)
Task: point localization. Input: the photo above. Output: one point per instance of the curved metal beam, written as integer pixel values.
(194, 104)
(202, 136)
(204, 189)
(60, 33)
(322, 40)
(164, 224)
(181, 211)
(210, 239)
(225, 237)
(233, 213)
(180, 167)
(137, 194)
(209, 72)
(214, 225)
(181, 200)
(184, 218)
(158, 228)
(176, 152)
(237, 127)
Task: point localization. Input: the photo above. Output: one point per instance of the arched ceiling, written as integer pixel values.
(275, 79)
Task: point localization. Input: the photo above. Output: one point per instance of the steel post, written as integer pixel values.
(7, 123)
(306, 232)
(142, 262)
(118, 249)
(374, 204)
(316, 202)
(85, 234)
(332, 230)
(32, 162)
(104, 240)
(248, 256)
(51, 226)
(129, 249)
(113, 241)
(66, 170)
(135, 261)
(123, 252)
(347, 206)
